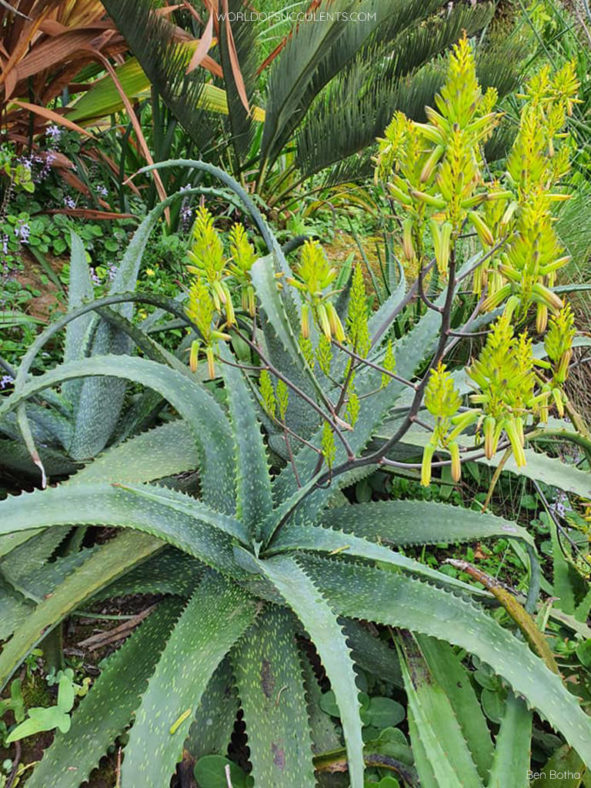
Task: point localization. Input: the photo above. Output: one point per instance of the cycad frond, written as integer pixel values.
(317, 52)
(244, 34)
(356, 107)
(152, 40)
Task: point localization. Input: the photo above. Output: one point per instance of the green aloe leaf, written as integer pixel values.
(408, 523)
(217, 615)
(172, 516)
(270, 686)
(80, 289)
(398, 600)
(512, 748)
(168, 572)
(253, 481)
(316, 538)
(107, 562)
(107, 709)
(454, 680)
(205, 417)
(310, 606)
(212, 727)
(437, 726)
(163, 451)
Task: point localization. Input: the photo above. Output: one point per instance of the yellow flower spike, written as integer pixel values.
(509, 213)
(489, 430)
(495, 299)
(544, 295)
(323, 321)
(558, 397)
(399, 195)
(541, 318)
(484, 232)
(441, 234)
(428, 199)
(335, 323)
(194, 356)
(209, 354)
(407, 242)
(431, 163)
(461, 422)
(516, 445)
(305, 321)
(456, 465)
(229, 306)
(429, 131)
(428, 452)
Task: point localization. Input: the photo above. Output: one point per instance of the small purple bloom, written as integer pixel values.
(112, 271)
(69, 202)
(22, 232)
(4, 244)
(5, 381)
(95, 277)
(101, 190)
(53, 133)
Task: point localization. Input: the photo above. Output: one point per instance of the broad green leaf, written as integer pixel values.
(173, 517)
(324, 732)
(107, 709)
(14, 608)
(215, 618)
(204, 416)
(168, 572)
(511, 761)
(107, 562)
(263, 274)
(437, 727)
(398, 600)
(270, 686)
(253, 482)
(454, 680)
(316, 538)
(103, 98)
(310, 606)
(38, 582)
(211, 729)
(15, 457)
(372, 654)
(409, 523)
(163, 451)
(80, 289)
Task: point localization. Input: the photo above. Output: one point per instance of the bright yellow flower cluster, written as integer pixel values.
(216, 275)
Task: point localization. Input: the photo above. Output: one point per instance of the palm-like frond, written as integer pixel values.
(152, 39)
(318, 52)
(359, 103)
(244, 35)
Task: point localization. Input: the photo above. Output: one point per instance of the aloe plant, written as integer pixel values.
(266, 568)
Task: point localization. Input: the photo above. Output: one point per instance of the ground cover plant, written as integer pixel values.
(289, 618)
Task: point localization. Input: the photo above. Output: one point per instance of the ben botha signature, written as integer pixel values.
(554, 774)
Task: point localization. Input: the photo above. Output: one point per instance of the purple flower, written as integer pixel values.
(22, 232)
(101, 190)
(5, 381)
(560, 505)
(53, 133)
(69, 202)
(112, 271)
(94, 276)
(4, 244)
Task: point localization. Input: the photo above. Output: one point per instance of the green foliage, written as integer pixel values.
(271, 567)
